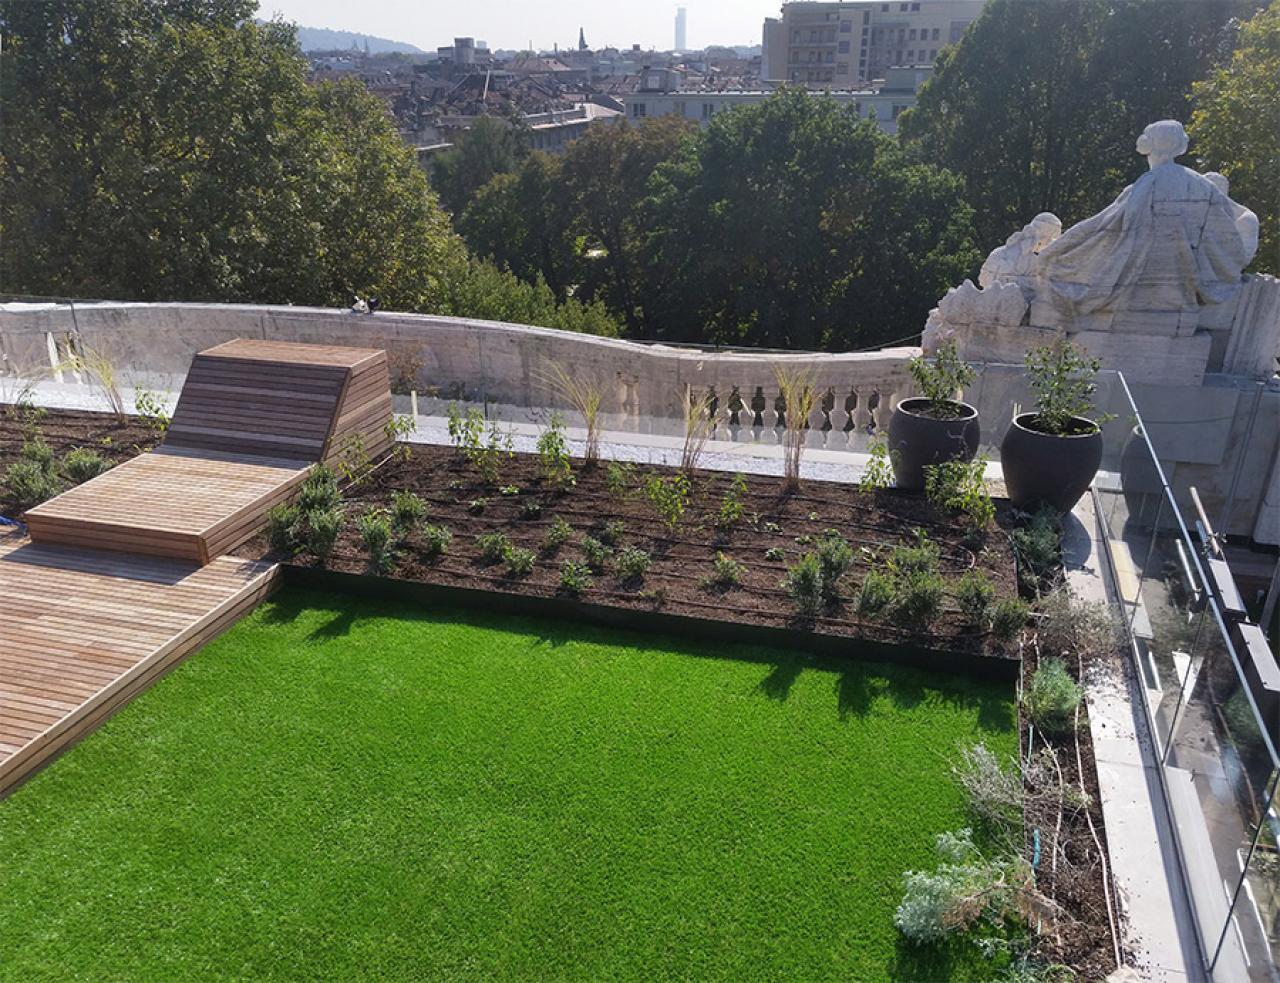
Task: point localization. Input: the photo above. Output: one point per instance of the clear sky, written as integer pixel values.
(514, 23)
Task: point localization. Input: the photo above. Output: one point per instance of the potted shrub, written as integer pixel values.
(935, 427)
(1049, 457)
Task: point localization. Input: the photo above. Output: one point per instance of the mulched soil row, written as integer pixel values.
(682, 559)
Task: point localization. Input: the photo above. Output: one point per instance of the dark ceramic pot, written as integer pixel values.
(1049, 469)
(916, 440)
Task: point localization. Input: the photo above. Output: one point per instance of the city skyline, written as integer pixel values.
(511, 24)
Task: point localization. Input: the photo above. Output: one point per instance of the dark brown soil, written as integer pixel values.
(682, 560)
(1081, 937)
(64, 430)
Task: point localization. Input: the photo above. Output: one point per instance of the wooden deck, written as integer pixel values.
(84, 631)
(252, 417)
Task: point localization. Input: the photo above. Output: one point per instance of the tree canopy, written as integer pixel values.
(1236, 127)
(1039, 105)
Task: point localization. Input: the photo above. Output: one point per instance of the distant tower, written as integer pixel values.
(681, 23)
(582, 40)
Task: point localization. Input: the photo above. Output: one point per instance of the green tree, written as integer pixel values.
(1236, 127)
(794, 224)
(523, 221)
(174, 150)
(493, 145)
(1038, 106)
(607, 171)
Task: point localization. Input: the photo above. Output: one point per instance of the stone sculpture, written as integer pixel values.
(1151, 284)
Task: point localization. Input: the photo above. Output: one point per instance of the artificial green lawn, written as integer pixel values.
(339, 788)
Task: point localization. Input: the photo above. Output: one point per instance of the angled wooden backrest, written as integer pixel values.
(280, 399)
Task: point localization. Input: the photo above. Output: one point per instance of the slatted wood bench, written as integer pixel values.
(252, 418)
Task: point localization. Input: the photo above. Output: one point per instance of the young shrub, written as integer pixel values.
(917, 598)
(879, 470)
(669, 496)
(466, 430)
(82, 464)
(619, 477)
(1051, 697)
(575, 578)
(803, 583)
(531, 509)
(152, 410)
(1069, 627)
(28, 483)
(731, 507)
(557, 534)
(975, 595)
(483, 448)
(1008, 618)
(875, 594)
(509, 491)
(375, 531)
(612, 532)
(553, 455)
(407, 510)
(323, 529)
(960, 487)
(834, 558)
(596, 552)
(492, 546)
(319, 492)
(1037, 545)
(921, 557)
(477, 505)
(632, 564)
(435, 540)
(725, 571)
(940, 379)
(38, 452)
(1062, 378)
(282, 528)
(776, 554)
(994, 791)
(519, 561)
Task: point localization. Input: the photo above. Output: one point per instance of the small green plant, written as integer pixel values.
(575, 578)
(669, 497)
(770, 527)
(804, 539)
(775, 554)
(1051, 697)
(975, 594)
(553, 455)
(435, 540)
(396, 429)
(354, 464)
(323, 528)
(596, 552)
(376, 532)
(28, 483)
(632, 564)
(1062, 378)
(531, 509)
(519, 561)
(876, 593)
(731, 506)
(484, 448)
(960, 487)
(834, 558)
(492, 546)
(509, 491)
(151, 408)
(919, 557)
(38, 452)
(879, 470)
(917, 598)
(477, 505)
(1037, 544)
(619, 478)
(725, 571)
(557, 534)
(940, 379)
(319, 492)
(612, 532)
(1008, 618)
(282, 528)
(407, 511)
(803, 584)
(81, 465)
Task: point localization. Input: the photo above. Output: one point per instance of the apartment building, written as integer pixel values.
(843, 45)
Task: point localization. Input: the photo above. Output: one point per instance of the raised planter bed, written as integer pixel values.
(676, 589)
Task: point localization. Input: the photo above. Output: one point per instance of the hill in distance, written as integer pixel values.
(322, 39)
